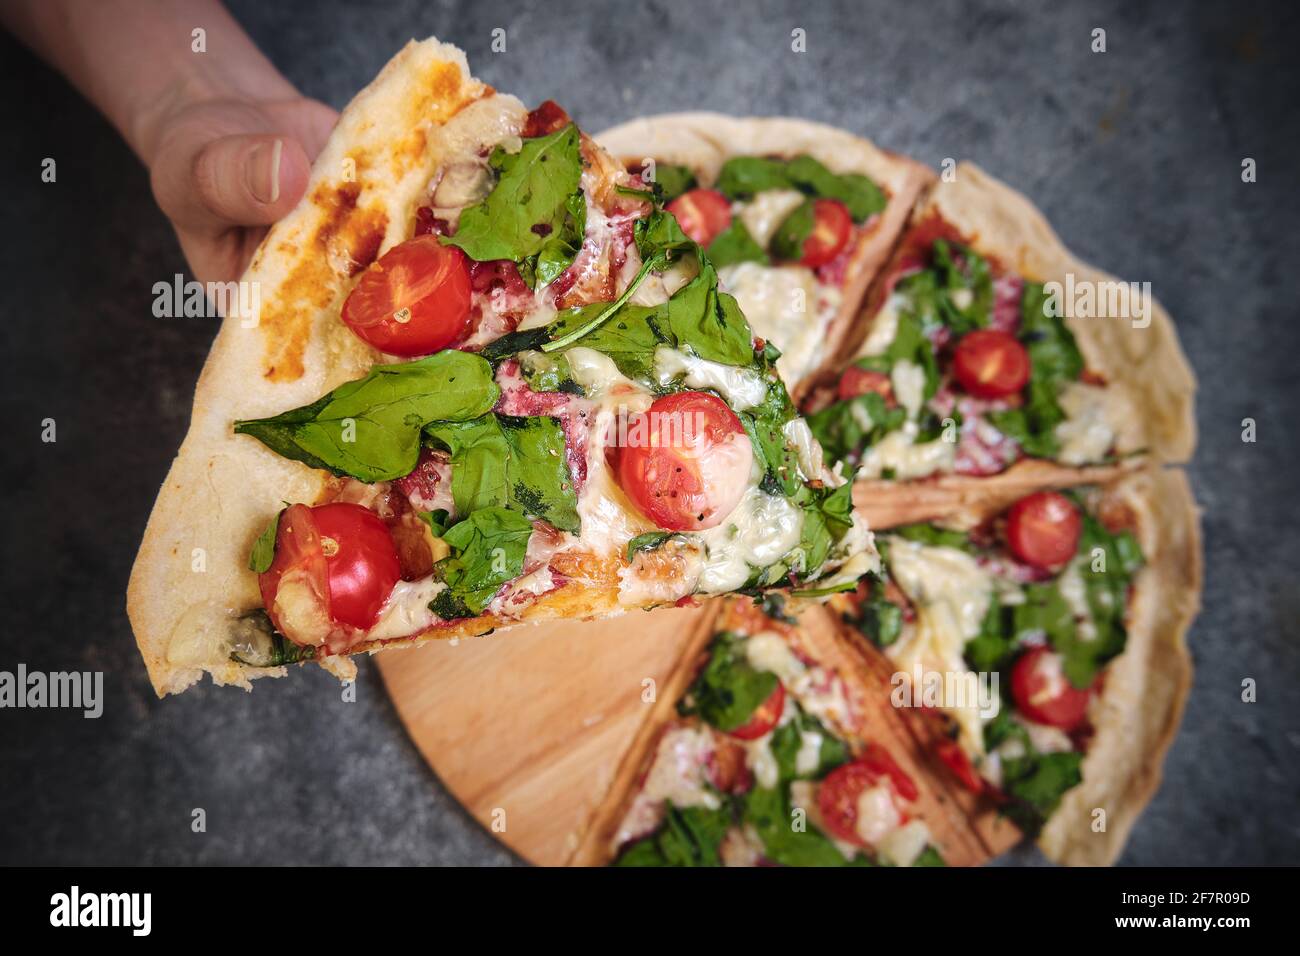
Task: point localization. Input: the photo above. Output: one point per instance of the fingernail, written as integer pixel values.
(264, 171)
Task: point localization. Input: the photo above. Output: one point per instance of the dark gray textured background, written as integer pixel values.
(1134, 155)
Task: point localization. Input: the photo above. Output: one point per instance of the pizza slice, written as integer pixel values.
(796, 216)
(491, 380)
(982, 358)
(775, 744)
(1050, 637)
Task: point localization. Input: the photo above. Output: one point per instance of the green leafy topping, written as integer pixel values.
(735, 244)
(370, 428)
(1054, 360)
(729, 689)
(508, 462)
(880, 620)
(263, 553)
(933, 536)
(742, 177)
(690, 836)
(255, 641)
(649, 541)
(929, 857)
(436, 520)
(535, 215)
(846, 429)
(794, 230)
(770, 813)
(994, 647)
(673, 180)
(1033, 782)
(787, 741)
(487, 550)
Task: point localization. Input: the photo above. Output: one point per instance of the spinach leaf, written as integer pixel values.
(879, 619)
(1035, 784)
(649, 541)
(790, 235)
(534, 212)
(735, 244)
(1054, 360)
(787, 741)
(862, 196)
(508, 462)
(827, 515)
(487, 550)
(729, 689)
(690, 836)
(765, 426)
(846, 429)
(929, 857)
(673, 180)
(263, 553)
(741, 177)
(770, 813)
(933, 536)
(370, 428)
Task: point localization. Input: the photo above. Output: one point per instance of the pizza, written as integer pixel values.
(492, 380)
(798, 217)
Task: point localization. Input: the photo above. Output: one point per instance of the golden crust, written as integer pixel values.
(704, 141)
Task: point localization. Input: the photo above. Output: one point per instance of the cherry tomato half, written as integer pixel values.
(1044, 694)
(990, 364)
(345, 555)
(832, 225)
(702, 213)
(859, 381)
(840, 794)
(1043, 529)
(415, 300)
(763, 718)
(686, 461)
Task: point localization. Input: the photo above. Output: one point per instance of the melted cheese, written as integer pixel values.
(760, 531)
(899, 454)
(884, 328)
(761, 761)
(768, 651)
(1075, 593)
(742, 388)
(908, 380)
(809, 756)
(877, 814)
(788, 307)
(766, 211)
(1088, 432)
(952, 594)
(902, 846)
(407, 610)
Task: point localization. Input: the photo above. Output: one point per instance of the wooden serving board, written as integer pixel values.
(528, 728)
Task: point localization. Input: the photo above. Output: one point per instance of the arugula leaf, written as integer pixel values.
(370, 428)
(534, 212)
(1035, 784)
(729, 689)
(770, 813)
(487, 550)
(690, 836)
(735, 244)
(508, 462)
(1107, 596)
(673, 180)
(862, 196)
(789, 237)
(263, 553)
(741, 177)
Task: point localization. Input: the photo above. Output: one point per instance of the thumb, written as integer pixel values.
(238, 180)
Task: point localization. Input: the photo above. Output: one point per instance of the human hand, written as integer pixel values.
(223, 170)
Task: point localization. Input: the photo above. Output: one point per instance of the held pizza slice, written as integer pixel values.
(992, 354)
(1077, 603)
(775, 744)
(797, 216)
(491, 381)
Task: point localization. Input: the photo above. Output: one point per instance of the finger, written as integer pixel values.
(247, 180)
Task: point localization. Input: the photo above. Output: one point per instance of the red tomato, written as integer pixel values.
(832, 226)
(859, 381)
(415, 300)
(702, 214)
(685, 463)
(345, 554)
(546, 119)
(1043, 529)
(990, 364)
(1044, 694)
(838, 795)
(763, 718)
(950, 752)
